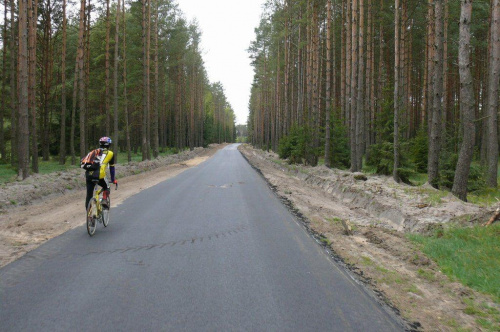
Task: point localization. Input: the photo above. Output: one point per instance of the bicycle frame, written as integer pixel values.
(97, 194)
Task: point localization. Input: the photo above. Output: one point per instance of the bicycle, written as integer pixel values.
(96, 212)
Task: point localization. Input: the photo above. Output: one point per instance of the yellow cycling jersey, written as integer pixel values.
(106, 159)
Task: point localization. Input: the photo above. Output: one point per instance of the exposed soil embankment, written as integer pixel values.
(382, 201)
(377, 212)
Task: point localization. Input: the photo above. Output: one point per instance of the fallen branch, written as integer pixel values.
(494, 217)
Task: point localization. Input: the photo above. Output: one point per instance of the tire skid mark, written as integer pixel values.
(34, 259)
(191, 240)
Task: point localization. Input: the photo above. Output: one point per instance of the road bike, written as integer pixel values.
(98, 210)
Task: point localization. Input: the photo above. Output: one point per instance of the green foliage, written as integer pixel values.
(447, 170)
(419, 150)
(471, 255)
(381, 157)
(384, 124)
(294, 145)
(339, 144)
(448, 163)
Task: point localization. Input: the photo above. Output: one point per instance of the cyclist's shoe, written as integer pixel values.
(105, 204)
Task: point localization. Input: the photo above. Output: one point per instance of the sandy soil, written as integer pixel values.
(45, 206)
(378, 212)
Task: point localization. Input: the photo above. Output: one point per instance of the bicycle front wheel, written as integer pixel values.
(105, 212)
(91, 216)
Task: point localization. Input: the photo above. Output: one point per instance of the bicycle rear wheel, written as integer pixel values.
(91, 217)
(105, 212)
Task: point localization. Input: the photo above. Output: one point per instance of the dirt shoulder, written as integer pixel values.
(45, 206)
(379, 212)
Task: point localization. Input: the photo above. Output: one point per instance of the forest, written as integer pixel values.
(405, 88)
(74, 71)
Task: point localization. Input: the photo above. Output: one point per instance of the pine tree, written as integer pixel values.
(115, 79)
(397, 99)
(435, 134)
(466, 104)
(23, 114)
(62, 143)
(493, 87)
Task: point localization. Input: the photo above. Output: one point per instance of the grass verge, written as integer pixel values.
(470, 255)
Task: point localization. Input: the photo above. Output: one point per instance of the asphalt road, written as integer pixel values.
(212, 249)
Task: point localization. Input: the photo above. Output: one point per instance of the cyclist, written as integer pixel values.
(95, 164)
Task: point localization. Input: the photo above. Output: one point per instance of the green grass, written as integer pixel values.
(414, 289)
(485, 197)
(52, 166)
(8, 174)
(367, 261)
(471, 255)
(426, 274)
(418, 179)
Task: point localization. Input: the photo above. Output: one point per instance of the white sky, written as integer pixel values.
(227, 28)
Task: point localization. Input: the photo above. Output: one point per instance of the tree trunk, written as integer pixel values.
(466, 104)
(445, 106)
(360, 112)
(348, 69)
(73, 113)
(315, 84)
(125, 100)
(107, 93)
(328, 77)
(86, 67)
(493, 83)
(4, 79)
(62, 143)
(145, 94)
(81, 77)
(382, 69)
(148, 81)
(46, 72)
(343, 61)
(368, 109)
(32, 109)
(23, 129)
(115, 79)
(13, 90)
(397, 37)
(431, 39)
(287, 88)
(156, 140)
(435, 136)
(354, 88)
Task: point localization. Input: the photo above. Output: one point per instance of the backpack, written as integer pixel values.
(91, 161)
